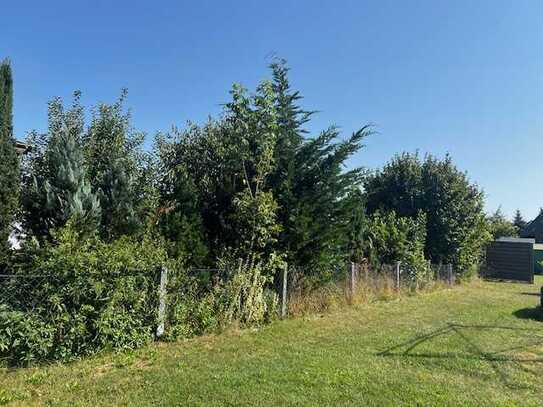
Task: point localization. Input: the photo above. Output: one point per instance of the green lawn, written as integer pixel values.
(473, 345)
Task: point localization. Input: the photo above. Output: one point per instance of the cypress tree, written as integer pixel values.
(9, 163)
(309, 182)
(519, 221)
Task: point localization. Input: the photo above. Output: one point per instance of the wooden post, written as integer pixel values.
(398, 275)
(284, 293)
(162, 301)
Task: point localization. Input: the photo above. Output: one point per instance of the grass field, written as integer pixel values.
(472, 345)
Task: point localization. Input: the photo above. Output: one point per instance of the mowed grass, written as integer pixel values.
(477, 345)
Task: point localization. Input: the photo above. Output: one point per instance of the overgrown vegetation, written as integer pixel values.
(476, 345)
(227, 205)
(456, 229)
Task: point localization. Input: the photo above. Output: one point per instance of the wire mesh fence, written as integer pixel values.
(353, 283)
(32, 292)
(20, 292)
(42, 295)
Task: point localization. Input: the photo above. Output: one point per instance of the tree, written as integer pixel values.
(310, 183)
(9, 162)
(113, 159)
(500, 226)
(394, 238)
(253, 180)
(519, 221)
(56, 187)
(359, 244)
(454, 208)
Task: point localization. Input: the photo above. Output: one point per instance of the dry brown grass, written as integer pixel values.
(368, 288)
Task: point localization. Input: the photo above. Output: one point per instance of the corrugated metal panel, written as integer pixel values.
(511, 261)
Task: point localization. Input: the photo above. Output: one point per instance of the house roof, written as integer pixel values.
(534, 229)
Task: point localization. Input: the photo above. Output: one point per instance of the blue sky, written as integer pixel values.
(464, 77)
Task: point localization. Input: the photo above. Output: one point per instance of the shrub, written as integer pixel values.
(394, 238)
(244, 295)
(84, 295)
(190, 306)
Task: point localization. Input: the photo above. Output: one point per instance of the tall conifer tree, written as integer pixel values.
(56, 187)
(519, 221)
(9, 163)
(309, 181)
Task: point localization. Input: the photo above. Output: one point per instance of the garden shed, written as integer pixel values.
(511, 259)
(538, 258)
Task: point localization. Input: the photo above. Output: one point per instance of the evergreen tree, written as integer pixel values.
(9, 163)
(113, 159)
(358, 244)
(500, 226)
(68, 193)
(254, 173)
(519, 221)
(55, 182)
(309, 182)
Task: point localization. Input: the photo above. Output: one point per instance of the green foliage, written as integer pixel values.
(115, 165)
(358, 245)
(240, 194)
(500, 226)
(9, 162)
(213, 178)
(86, 295)
(191, 308)
(252, 122)
(519, 221)
(454, 208)
(55, 185)
(393, 238)
(252, 179)
(310, 183)
(242, 295)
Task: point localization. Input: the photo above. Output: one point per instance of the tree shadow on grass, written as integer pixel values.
(532, 294)
(535, 314)
(476, 352)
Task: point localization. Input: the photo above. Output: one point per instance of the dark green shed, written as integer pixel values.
(538, 258)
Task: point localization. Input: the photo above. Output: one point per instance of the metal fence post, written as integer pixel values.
(162, 301)
(350, 282)
(353, 281)
(284, 293)
(398, 275)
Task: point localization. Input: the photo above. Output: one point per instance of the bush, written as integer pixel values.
(393, 238)
(244, 295)
(85, 295)
(190, 306)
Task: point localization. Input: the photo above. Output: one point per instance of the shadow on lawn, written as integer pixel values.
(532, 294)
(495, 359)
(535, 314)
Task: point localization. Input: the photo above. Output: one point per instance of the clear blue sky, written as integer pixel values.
(464, 77)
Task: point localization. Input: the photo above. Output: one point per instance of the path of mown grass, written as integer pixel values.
(476, 345)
